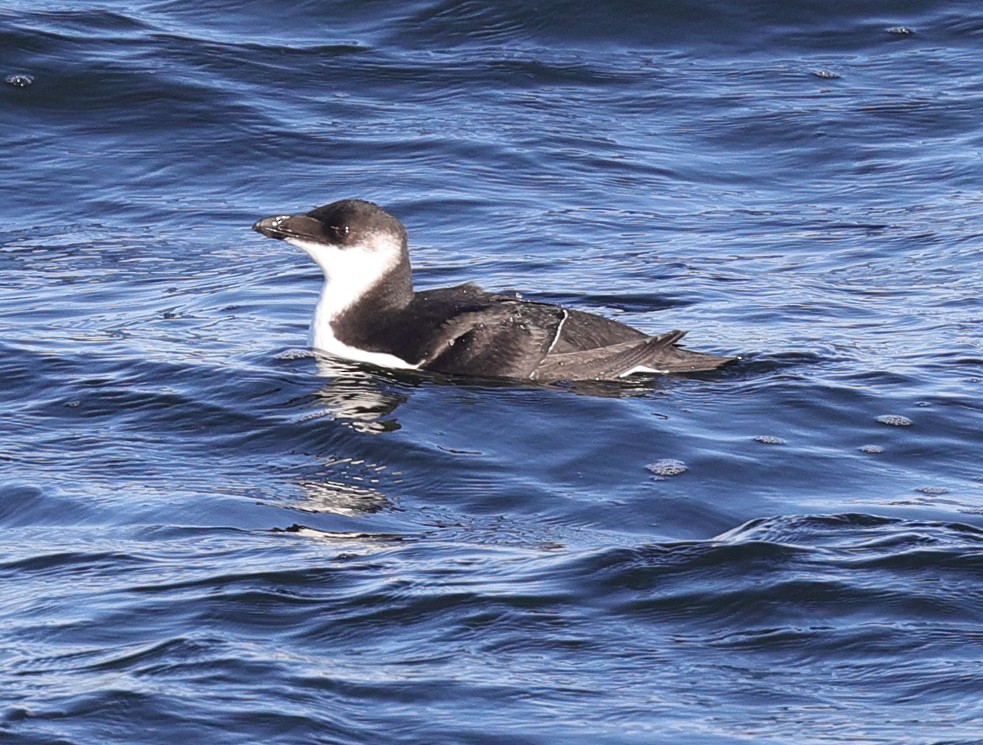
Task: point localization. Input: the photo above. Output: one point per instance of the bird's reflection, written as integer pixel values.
(356, 397)
(349, 541)
(338, 498)
(361, 401)
(365, 400)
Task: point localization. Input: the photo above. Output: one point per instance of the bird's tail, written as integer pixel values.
(656, 354)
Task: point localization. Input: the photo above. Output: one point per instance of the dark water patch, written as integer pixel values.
(57, 564)
(22, 505)
(862, 567)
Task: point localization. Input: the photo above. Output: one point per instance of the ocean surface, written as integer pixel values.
(208, 534)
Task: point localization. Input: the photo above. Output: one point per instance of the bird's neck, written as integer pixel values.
(351, 309)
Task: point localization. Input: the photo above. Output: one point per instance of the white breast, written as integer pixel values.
(323, 339)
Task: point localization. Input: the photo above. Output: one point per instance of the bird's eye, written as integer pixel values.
(339, 232)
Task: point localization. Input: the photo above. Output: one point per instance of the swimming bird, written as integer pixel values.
(368, 312)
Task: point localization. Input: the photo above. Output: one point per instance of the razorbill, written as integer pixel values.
(368, 312)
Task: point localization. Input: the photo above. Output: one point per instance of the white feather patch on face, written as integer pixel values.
(353, 270)
(349, 273)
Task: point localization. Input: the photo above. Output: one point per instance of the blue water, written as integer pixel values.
(209, 535)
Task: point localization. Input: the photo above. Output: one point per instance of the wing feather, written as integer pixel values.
(507, 339)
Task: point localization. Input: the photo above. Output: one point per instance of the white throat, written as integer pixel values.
(349, 273)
